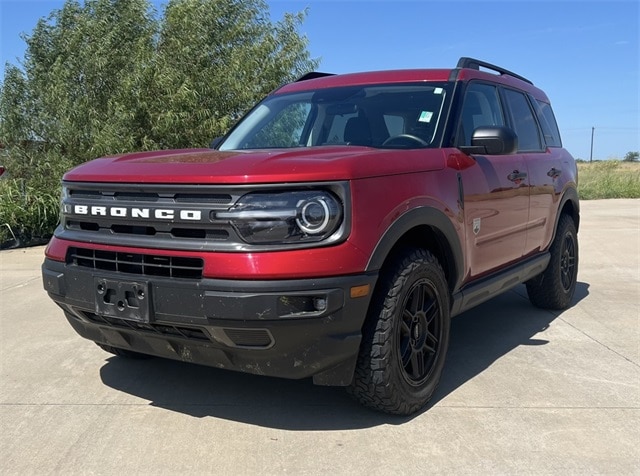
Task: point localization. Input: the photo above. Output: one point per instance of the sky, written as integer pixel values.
(584, 54)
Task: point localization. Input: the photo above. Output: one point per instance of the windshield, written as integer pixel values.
(394, 116)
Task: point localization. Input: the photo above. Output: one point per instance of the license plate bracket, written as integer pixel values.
(128, 300)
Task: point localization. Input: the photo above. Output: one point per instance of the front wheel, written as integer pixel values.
(554, 288)
(406, 336)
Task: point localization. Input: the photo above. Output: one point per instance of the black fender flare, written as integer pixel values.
(570, 195)
(440, 223)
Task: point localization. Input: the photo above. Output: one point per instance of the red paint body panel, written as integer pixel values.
(384, 187)
(408, 76)
(343, 259)
(551, 174)
(376, 77)
(501, 206)
(206, 166)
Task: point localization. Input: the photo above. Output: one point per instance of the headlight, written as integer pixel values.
(314, 216)
(286, 217)
(64, 195)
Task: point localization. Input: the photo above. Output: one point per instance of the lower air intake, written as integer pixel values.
(136, 263)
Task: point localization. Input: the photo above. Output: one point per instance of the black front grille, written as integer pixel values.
(169, 216)
(215, 198)
(136, 263)
(176, 216)
(165, 196)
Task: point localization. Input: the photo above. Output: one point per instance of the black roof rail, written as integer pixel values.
(313, 75)
(476, 64)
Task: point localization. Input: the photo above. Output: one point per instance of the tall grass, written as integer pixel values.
(27, 214)
(608, 179)
(29, 196)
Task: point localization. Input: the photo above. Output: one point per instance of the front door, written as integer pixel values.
(496, 211)
(496, 189)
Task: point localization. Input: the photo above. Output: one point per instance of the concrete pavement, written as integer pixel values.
(525, 391)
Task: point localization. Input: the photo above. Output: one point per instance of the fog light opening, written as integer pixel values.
(319, 304)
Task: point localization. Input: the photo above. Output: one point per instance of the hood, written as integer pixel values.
(207, 166)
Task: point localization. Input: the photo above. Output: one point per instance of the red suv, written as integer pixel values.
(332, 233)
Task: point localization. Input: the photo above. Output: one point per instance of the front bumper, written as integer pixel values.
(283, 328)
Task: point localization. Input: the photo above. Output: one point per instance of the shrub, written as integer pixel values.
(29, 196)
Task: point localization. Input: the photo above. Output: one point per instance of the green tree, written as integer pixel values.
(109, 76)
(631, 156)
(79, 88)
(215, 59)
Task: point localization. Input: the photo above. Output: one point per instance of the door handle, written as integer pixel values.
(554, 173)
(517, 176)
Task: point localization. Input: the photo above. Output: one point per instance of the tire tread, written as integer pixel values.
(545, 291)
(371, 386)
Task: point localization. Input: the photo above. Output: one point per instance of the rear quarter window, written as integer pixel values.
(523, 120)
(548, 124)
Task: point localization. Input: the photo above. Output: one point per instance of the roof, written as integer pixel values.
(367, 78)
(470, 70)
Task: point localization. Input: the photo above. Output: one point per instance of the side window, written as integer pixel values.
(481, 107)
(548, 124)
(524, 123)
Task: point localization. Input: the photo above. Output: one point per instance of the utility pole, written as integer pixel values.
(591, 156)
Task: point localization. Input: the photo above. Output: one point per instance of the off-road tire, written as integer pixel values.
(555, 287)
(405, 337)
(129, 354)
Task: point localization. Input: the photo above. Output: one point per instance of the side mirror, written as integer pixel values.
(215, 143)
(496, 140)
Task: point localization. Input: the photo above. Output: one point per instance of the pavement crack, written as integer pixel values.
(558, 315)
(24, 283)
(600, 343)
(533, 407)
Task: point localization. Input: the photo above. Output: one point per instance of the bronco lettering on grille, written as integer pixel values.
(134, 212)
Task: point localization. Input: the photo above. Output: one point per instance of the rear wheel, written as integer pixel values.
(406, 336)
(554, 288)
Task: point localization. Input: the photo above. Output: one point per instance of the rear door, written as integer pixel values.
(543, 166)
(549, 173)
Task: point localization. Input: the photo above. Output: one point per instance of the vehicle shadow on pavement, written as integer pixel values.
(482, 335)
(479, 337)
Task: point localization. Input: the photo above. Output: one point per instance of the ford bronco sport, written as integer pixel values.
(332, 233)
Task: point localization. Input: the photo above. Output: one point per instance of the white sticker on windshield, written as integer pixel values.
(437, 91)
(425, 116)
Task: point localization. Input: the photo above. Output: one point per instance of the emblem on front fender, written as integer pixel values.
(476, 225)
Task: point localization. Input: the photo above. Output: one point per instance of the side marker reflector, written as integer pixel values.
(360, 291)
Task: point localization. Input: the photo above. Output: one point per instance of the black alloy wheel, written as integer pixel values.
(406, 335)
(419, 332)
